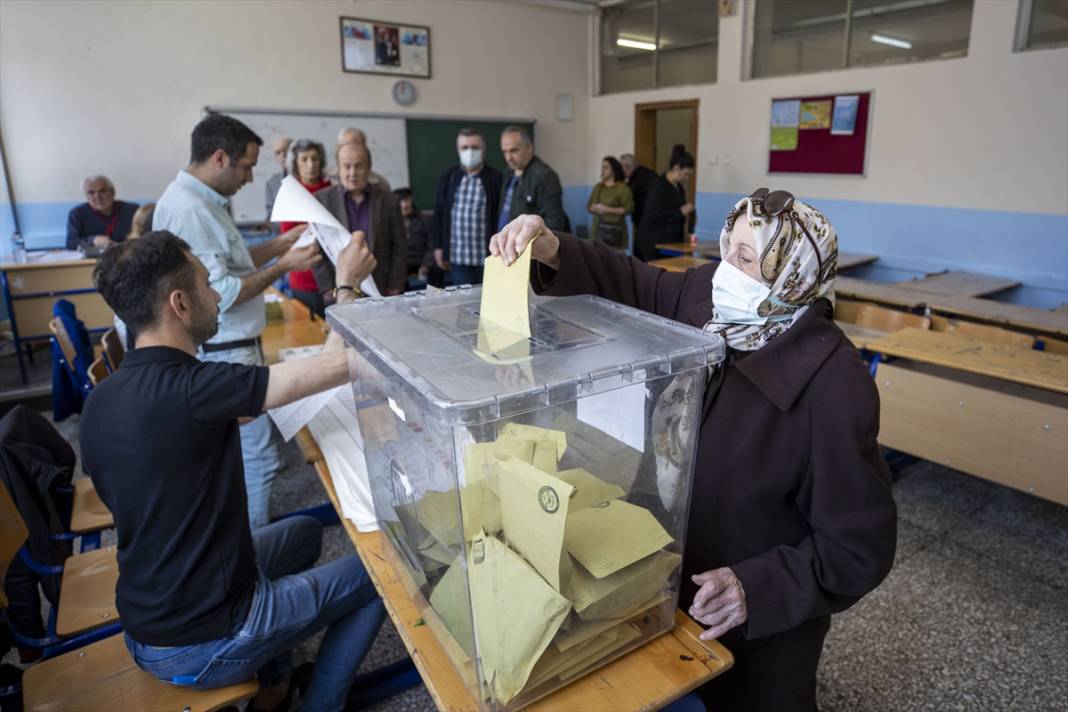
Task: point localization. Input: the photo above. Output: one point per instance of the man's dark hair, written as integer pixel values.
(402, 193)
(135, 276)
(217, 131)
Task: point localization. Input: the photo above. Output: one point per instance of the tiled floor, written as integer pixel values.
(974, 615)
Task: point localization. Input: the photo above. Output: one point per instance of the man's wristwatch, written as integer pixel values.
(341, 288)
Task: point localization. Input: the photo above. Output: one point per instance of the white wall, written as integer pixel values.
(986, 131)
(116, 86)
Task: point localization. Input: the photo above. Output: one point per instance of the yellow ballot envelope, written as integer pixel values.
(606, 537)
(589, 489)
(504, 293)
(533, 515)
(619, 594)
(516, 614)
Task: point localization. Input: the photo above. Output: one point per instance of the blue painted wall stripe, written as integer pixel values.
(909, 239)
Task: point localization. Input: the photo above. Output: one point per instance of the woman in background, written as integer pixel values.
(609, 203)
(666, 215)
(307, 161)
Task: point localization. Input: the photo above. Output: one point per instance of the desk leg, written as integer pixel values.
(14, 328)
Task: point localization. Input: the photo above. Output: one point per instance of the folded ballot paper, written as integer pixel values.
(558, 567)
(295, 203)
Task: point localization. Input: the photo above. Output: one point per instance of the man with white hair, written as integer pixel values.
(101, 221)
(351, 134)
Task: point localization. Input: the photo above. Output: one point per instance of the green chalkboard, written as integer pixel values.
(432, 149)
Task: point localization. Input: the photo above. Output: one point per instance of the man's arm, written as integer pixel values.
(267, 251)
(74, 230)
(291, 380)
(295, 260)
(551, 202)
(399, 258)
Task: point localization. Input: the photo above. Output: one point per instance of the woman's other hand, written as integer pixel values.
(719, 603)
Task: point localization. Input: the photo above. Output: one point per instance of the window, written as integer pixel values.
(1042, 24)
(792, 37)
(658, 43)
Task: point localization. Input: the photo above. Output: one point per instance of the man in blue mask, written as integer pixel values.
(465, 211)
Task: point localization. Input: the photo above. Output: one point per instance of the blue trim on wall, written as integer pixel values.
(910, 239)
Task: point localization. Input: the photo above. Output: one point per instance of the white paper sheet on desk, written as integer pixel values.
(295, 203)
(619, 413)
(337, 432)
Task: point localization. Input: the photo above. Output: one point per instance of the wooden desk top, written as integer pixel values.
(679, 264)
(879, 292)
(647, 678)
(297, 328)
(1010, 363)
(959, 284)
(1031, 319)
(14, 267)
(861, 337)
(707, 248)
(849, 260)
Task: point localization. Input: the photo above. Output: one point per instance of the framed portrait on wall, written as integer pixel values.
(378, 47)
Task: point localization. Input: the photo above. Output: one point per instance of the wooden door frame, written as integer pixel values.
(645, 132)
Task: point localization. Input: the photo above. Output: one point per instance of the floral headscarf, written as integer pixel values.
(797, 269)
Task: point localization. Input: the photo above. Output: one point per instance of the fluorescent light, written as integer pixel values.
(635, 44)
(892, 41)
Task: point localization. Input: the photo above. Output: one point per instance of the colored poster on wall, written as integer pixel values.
(815, 115)
(844, 122)
(785, 117)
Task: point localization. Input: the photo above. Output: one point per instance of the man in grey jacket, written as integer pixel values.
(533, 188)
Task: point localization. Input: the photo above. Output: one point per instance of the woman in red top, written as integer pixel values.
(306, 160)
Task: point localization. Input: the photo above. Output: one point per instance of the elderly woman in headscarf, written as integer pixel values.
(792, 517)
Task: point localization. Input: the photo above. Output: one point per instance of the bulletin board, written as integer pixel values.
(820, 144)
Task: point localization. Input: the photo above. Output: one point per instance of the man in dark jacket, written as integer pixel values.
(465, 211)
(100, 221)
(640, 179)
(534, 188)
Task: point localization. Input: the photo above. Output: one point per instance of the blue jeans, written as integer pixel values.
(291, 603)
(465, 274)
(258, 452)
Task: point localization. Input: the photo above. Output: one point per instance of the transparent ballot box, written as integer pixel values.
(536, 497)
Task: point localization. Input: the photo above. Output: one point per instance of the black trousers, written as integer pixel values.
(776, 673)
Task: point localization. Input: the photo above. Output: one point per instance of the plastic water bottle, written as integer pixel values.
(18, 248)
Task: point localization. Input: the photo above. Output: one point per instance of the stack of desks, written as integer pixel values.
(648, 678)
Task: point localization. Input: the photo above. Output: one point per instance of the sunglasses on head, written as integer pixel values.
(774, 203)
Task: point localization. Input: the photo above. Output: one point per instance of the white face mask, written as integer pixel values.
(471, 157)
(737, 297)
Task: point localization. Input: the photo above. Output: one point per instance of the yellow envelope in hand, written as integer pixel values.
(605, 538)
(516, 614)
(533, 515)
(504, 293)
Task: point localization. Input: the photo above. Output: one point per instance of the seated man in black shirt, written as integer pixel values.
(100, 221)
(204, 601)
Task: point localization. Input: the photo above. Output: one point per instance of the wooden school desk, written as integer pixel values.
(997, 411)
(31, 290)
(679, 264)
(849, 260)
(649, 677)
(1029, 319)
(878, 292)
(959, 284)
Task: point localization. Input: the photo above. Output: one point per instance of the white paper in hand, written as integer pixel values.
(294, 203)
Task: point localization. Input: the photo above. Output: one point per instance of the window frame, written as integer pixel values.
(1021, 41)
(599, 29)
(749, 47)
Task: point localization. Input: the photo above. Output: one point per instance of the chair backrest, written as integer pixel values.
(59, 332)
(983, 332)
(13, 534)
(113, 349)
(98, 371)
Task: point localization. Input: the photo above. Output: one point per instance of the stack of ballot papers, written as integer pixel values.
(558, 567)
